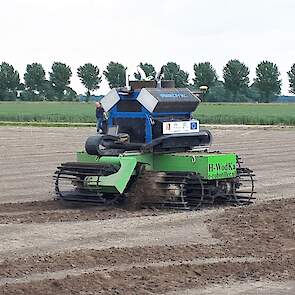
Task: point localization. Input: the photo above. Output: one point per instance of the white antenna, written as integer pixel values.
(159, 76)
(141, 73)
(127, 80)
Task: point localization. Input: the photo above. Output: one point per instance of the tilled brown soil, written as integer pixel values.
(253, 246)
(53, 211)
(47, 248)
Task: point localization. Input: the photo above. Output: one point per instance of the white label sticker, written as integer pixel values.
(181, 127)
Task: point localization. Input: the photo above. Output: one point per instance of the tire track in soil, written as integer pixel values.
(83, 259)
(156, 280)
(58, 275)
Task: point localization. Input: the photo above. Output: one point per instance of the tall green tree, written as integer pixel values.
(50, 93)
(34, 77)
(205, 74)
(34, 82)
(9, 82)
(217, 93)
(267, 81)
(148, 69)
(89, 76)
(60, 76)
(115, 74)
(291, 75)
(235, 75)
(172, 71)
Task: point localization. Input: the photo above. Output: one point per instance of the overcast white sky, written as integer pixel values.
(154, 31)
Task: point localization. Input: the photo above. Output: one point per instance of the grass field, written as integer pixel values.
(260, 114)
(209, 113)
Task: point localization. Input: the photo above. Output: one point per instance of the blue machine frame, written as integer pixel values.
(114, 113)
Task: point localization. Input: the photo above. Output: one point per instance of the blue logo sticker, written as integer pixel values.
(194, 125)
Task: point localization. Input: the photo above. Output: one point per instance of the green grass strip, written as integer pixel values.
(46, 124)
(83, 114)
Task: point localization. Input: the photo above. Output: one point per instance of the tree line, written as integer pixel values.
(234, 86)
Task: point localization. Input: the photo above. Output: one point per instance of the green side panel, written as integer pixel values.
(219, 166)
(114, 183)
(117, 182)
(209, 166)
